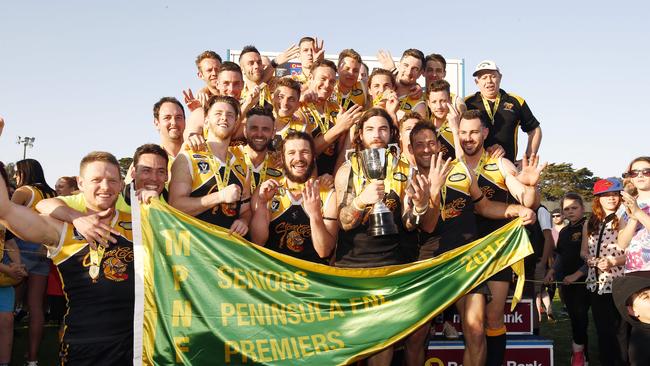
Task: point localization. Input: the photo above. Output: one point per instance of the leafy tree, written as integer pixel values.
(558, 179)
(10, 168)
(125, 163)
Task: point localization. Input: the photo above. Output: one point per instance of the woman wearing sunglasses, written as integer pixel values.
(605, 260)
(634, 235)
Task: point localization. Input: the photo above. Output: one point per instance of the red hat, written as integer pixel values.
(607, 185)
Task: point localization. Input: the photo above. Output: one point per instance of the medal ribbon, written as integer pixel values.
(249, 163)
(324, 125)
(339, 98)
(491, 113)
(215, 166)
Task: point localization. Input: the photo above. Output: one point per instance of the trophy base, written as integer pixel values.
(382, 224)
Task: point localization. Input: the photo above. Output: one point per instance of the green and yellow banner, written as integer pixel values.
(204, 297)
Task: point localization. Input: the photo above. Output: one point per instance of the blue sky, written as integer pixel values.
(81, 76)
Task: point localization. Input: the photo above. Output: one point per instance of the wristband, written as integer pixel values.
(418, 212)
(479, 198)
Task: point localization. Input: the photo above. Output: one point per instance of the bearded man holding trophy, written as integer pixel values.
(379, 200)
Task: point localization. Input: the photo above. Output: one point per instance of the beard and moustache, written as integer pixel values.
(295, 178)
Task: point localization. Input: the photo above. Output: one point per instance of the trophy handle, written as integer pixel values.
(348, 153)
(396, 147)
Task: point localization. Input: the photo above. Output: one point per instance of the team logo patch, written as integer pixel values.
(198, 156)
(126, 225)
(115, 269)
(273, 172)
(576, 236)
(275, 205)
(508, 106)
(334, 114)
(400, 177)
(457, 177)
(239, 169)
(356, 92)
(493, 167)
(203, 166)
(407, 107)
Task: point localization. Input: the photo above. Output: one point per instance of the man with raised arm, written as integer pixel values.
(296, 215)
(97, 279)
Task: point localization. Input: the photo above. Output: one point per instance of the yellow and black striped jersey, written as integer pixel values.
(493, 185)
(270, 168)
(99, 308)
(207, 171)
(322, 122)
(289, 230)
(355, 96)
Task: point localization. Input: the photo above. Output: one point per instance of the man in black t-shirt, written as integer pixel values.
(503, 112)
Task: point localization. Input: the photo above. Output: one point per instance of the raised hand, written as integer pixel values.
(317, 50)
(191, 102)
(289, 54)
(311, 198)
(239, 226)
(530, 170)
(350, 117)
(392, 101)
(453, 117)
(419, 191)
(385, 60)
(326, 180)
(496, 151)
(438, 171)
(415, 92)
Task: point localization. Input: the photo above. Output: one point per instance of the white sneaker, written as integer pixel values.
(449, 331)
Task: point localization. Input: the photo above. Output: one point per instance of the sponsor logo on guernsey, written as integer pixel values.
(400, 177)
(457, 177)
(493, 167)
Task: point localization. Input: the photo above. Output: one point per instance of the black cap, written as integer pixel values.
(622, 289)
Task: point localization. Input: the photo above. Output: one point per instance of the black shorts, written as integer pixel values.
(505, 275)
(117, 352)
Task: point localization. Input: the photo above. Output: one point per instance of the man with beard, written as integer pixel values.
(444, 116)
(214, 185)
(295, 215)
(499, 181)
(356, 195)
(436, 69)
(310, 52)
(208, 63)
(331, 127)
(503, 112)
(260, 128)
(348, 91)
(92, 287)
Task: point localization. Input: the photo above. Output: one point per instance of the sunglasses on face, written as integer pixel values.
(556, 215)
(637, 173)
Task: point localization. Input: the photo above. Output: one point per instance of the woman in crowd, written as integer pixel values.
(605, 260)
(634, 236)
(32, 188)
(571, 269)
(11, 272)
(66, 186)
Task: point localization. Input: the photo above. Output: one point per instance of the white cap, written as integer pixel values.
(486, 65)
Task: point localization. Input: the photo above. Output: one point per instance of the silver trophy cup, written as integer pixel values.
(381, 221)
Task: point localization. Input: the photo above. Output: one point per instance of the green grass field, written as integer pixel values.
(559, 331)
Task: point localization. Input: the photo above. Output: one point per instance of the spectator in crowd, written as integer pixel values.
(633, 235)
(570, 268)
(66, 186)
(632, 298)
(605, 260)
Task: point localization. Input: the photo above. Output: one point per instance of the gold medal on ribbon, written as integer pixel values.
(96, 256)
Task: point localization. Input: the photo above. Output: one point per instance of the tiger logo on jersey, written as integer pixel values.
(576, 236)
(115, 270)
(487, 191)
(454, 208)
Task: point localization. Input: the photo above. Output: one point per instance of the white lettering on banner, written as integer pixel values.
(513, 318)
(514, 363)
